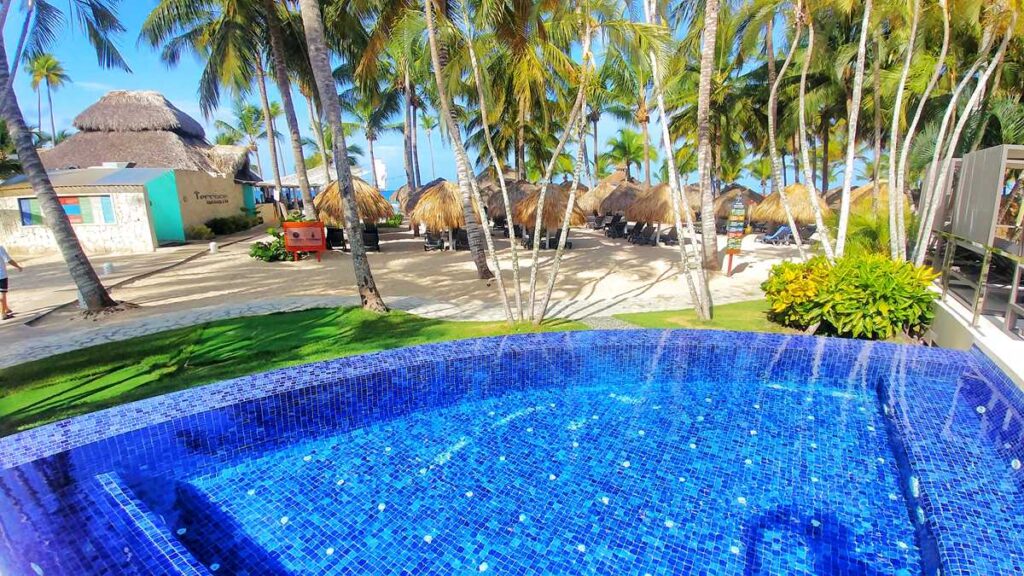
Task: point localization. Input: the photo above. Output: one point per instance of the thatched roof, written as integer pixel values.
(144, 130)
(555, 200)
(622, 197)
(137, 111)
(407, 198)
(581, 188)
(372, 206)
(591, 201)
(654, 205)
(771, 209)
(517, 190)
(439, 206)
(723, 204)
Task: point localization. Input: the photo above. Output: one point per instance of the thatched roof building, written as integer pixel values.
(555, 200)
(143, 129)
(439, 206)
(371, 204)
(591, 201)
(771, 209)
(723, 204)
(654, 205)
(622, 197)
(581, 188)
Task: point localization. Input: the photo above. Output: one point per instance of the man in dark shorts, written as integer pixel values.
(5, 259)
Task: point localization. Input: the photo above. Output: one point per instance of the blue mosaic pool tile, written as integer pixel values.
(916, 408)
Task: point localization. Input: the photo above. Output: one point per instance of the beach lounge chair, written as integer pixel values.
(552, 241)
(371, 238)
(336, 239)
(646, 236)
(670, 238)
(598, 222)
(784, 235)
(610, 225)
(636, 231)
(618, 230)
(432, 241)
(461, 239)
(501, 222)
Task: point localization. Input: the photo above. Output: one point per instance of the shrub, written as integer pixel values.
(393, 222)
(272, 251)
(199, 232)
(862, 296)
(231, 224)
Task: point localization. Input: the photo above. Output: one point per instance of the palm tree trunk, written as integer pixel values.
(929, 190)
(979, 90)
(259, 163)
(773, 105)
(647, 154)
(467, 180)
(575, 114)
(430, 150)
(709, 238)
(261, 83)
(700, 292)
(812, 194)
(19, 52)
(410, 173)
(777, 167)
(318, 132)
(825, 143)
(39, 114)
(284, 87)
(596, 155)
(895, 192)
(498, 170)
(521, 144)
(373, 164)
(876, 88)
(901, 170)
(415, 144)
(317, 47)
(90, 290)
(851, 129)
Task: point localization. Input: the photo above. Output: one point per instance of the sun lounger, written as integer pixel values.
(598, 222)
(371, 239)
(618, 230)
(461, 239)
(336, 239)
(784, 235)
(636, 232)
(670, 238)
(432, 241)
(612, 224)
(552, 241)
(646, 236)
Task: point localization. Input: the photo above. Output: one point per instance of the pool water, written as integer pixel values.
(641, 452)
(615, 477)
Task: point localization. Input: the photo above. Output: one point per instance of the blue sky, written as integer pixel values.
(179, 84)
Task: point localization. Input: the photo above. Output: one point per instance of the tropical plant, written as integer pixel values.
(46, 69)
(248, 127)
(625, 150)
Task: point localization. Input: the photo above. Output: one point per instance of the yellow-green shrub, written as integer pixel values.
(862, 296)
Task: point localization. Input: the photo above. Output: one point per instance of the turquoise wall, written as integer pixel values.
(165, 209)
(249, 198)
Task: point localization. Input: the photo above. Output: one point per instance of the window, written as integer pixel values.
(80, 210)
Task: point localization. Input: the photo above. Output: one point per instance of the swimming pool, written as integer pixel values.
(627, 452)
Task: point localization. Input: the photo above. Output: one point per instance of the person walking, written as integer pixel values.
(5, 259)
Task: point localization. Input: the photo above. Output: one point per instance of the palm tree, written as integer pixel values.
(626, 149)
(709, 237)
(429, 123)
(248, 127)
(319, 59)
(100, 22)
(373, 105)
(45, 68)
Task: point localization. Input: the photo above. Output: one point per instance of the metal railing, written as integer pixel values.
(979, 285)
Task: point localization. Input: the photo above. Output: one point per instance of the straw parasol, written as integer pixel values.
(723, 204)
(439, 206)
(654, 205)
(771, 209)
(622, 197)
(371, 205)
(581, 188)
(517, 190)
(555, 200)
(591, 201)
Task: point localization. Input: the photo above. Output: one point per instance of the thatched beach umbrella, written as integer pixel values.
(371, 204)
(555, 200)
(723, 204)
(581, 188)
(439, 207)
(654, 205)
(590, 202)
(771, 209)
(517, 190)
(622, 197)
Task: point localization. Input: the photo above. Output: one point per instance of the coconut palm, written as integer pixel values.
(45, 68)
(429, 123)
(98, 18)
(373, 105)
(626, 149)
(248, 128)
(319, 58)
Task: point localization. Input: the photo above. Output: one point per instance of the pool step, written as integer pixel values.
(156, 547)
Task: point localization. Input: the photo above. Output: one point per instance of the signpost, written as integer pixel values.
(305, 237)
(736, 228)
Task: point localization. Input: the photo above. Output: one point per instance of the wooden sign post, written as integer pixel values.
(737, 224)
(305, 237)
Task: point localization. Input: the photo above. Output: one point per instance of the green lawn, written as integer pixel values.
(102, 376)
(744, 316)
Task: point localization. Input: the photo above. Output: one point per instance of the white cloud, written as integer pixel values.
(94, 86)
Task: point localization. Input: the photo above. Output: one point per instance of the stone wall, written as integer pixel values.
(131, 232)
(204, 197)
